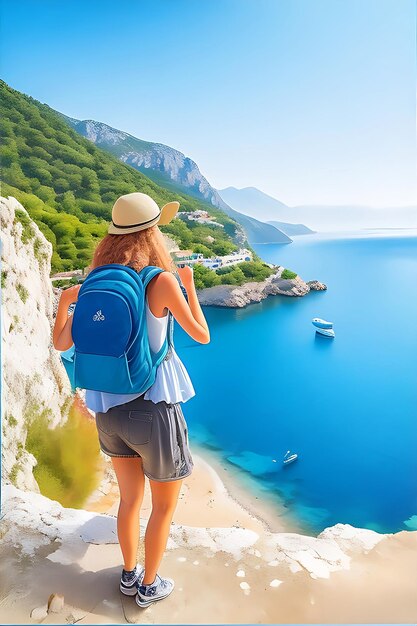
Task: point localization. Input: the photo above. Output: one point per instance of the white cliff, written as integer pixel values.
(34, 381)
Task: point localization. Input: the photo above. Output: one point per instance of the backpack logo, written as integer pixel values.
(98, 317)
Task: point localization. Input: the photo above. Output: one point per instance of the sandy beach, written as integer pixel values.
(213, 486)
(229, 562)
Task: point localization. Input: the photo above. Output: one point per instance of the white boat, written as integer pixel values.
(326, 332)
(289, 458)
(319, 323)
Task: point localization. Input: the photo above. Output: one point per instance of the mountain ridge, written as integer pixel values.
(259, 231)
(170, 168)
(253, 202)
(149, 156)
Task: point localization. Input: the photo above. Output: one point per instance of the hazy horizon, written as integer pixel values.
(250, 201)
(308, 204)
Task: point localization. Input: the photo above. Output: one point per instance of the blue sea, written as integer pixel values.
(267, 383)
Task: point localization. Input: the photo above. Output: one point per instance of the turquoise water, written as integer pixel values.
(267, 383)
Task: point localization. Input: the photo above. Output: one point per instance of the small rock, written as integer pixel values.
(55, 603)
(275, 583)
(240, 573)
(40, 612)
(316, 285)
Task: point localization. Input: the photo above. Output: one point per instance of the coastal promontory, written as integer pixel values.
(240, 296)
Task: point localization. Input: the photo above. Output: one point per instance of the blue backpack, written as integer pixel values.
(111, 349)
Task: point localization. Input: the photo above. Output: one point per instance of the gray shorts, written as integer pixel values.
(155, 431)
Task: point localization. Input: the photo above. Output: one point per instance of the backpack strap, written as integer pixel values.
(170, 331)
(149, 272)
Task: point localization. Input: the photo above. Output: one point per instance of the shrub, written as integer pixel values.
(27, 231)
(234, 277)
(22, 291)
(13, 473)
(223, 247)
(204, 277)
(255, 270)
(288, 274)
(67, 456)
(11, 420)
(39, 256)
(225, 270)
(201, 248)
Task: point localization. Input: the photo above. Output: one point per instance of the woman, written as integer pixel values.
(145, 434)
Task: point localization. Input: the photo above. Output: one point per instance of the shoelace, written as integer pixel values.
(159, 582)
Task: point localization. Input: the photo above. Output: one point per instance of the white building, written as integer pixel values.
(202, 217)
(236, 257)
(214, 263)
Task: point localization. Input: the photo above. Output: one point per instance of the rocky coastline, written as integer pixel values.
(234, 296)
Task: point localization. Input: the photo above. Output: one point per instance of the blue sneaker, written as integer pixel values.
(130, 580)
(159, 589)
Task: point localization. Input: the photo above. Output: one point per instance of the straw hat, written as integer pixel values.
(137, 211)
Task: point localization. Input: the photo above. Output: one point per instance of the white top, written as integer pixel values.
(172, 382)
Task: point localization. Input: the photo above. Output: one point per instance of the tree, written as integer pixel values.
(223, 247)
(234, 277)
(255, 270)
(204, 277)
(204, 250)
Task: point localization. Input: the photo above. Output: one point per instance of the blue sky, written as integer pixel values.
(312, 101)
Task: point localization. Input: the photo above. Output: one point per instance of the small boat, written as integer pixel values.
(289, 458)
(319, 323)
(326, 332)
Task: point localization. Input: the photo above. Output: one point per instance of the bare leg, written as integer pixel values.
(164, 501)
(131, 479)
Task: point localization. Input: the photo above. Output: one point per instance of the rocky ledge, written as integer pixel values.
(315, 285)
(240, 296)
(31, 520)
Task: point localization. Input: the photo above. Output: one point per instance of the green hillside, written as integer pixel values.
(68, 185)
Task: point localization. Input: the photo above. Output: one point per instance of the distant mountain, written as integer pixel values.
(253, 202)
(257, 204)
(350, 218)
(292, 229)
(256, 231)
(171, 169)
